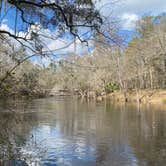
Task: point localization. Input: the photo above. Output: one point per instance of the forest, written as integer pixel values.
(113, 63)
(82, 83)
(139, 64)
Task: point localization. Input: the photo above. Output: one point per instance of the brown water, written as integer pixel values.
(70, 132)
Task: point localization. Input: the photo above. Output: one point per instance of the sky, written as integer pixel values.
(126, 11)
(129, 11)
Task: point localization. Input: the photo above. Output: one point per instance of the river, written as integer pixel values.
(71, 132)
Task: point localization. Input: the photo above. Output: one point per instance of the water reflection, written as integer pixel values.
(66, 132)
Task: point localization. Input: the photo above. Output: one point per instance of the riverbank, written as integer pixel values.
(138, 96)
(134, 96)
(25, 94)
(143, 96)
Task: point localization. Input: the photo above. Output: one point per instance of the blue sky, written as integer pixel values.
(127, 12)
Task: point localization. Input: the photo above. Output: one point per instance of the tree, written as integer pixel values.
(145, 55)
(64, 16)
(37, 21)
(140, 65)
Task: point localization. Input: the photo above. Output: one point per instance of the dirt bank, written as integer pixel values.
(143, 96)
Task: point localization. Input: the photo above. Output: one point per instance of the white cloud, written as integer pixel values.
(59, 46)
(129, 20)
(5, 27)
(62, 45)
(130, 10)
(141, 7)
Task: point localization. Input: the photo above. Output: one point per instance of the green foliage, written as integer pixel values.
(110, 87)
(164, 101)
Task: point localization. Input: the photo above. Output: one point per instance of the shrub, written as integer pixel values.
(110, 87)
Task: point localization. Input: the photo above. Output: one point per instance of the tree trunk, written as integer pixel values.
(151, 78)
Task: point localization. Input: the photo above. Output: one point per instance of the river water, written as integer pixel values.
(71, 132)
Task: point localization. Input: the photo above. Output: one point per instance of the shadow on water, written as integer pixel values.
(67, 132)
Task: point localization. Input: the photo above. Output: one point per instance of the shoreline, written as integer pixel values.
(132, 96)
(141, 96)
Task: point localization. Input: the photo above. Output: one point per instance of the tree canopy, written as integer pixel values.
(62, 16)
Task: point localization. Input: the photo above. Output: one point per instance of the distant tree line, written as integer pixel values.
(139, 65)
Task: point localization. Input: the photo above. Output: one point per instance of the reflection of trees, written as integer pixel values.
(14, 130)
(89, 125)
(125, 135)
(112, 144)
(115, 134)
(148, 136)
(118, 134)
